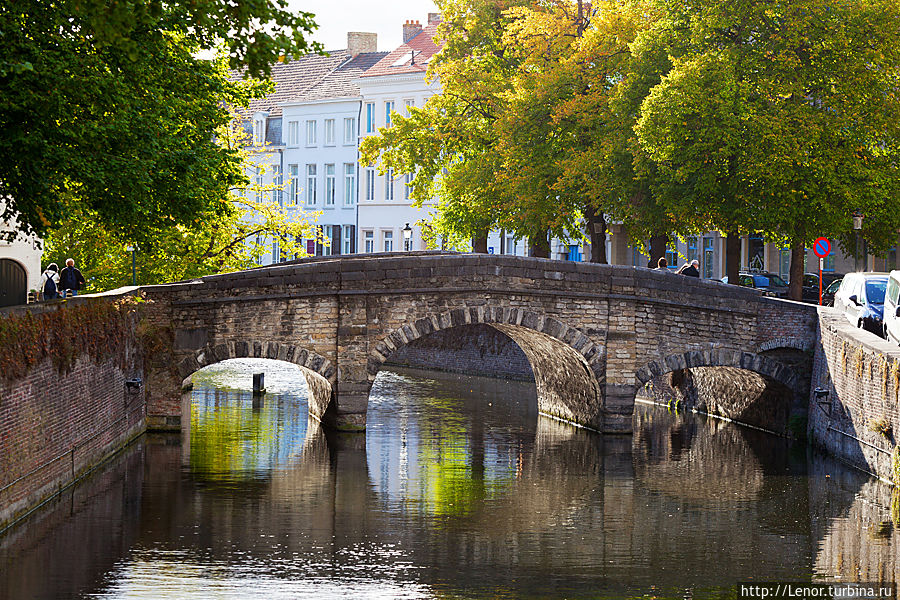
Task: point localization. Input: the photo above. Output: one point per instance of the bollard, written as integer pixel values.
(259, 386)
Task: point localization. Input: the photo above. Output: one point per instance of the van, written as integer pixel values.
(861, 300)
(892, 308)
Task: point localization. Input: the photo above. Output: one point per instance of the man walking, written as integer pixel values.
(70, 279)
(692, 270)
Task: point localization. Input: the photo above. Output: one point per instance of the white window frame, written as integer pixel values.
(349, 131)
(389, 185)
(370, 183)
(370, 117)
(294, 133)
(277, 185)
(311, 180)
(294, 191)
(387, 240)
(329, 132)
(347, 236)
(258, 183)
(369, 241)
(388, 109)
(259, 130)
(329, 185)
(311, 132)
(409, 103)
(408, 179)
(349, 184)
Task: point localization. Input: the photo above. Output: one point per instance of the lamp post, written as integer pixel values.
(407, 238)
(857, 227)
(133, 265)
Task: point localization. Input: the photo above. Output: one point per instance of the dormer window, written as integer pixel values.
(259, 129)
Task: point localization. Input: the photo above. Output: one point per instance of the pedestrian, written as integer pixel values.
(662, 264)
(70, 279)
(692, 270)
(50, 282)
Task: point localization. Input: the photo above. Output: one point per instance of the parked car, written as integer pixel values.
(892, 308)
(829, 292)
(861, 299)
(770, 283)
(811, 287)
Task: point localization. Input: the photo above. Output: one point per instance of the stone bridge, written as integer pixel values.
(594, 334)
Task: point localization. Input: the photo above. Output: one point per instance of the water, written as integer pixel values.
(458, 489)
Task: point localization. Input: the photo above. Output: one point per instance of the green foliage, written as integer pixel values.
(97, 329)
(106, 108)
(226, 238)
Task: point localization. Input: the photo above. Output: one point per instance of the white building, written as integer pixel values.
(305, 139)
(20, 265)
(392, 85)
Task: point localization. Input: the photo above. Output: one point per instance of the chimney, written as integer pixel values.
(410, 30)
(434, 18)
(359, 42)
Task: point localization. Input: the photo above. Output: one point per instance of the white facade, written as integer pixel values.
(320, 166)
(384, 203)
(22, 254)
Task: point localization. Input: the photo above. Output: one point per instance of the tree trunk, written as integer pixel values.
(658, 243)
(539, 246)
(798, 253)
(732, 256)
(479, 242)
(598, 239)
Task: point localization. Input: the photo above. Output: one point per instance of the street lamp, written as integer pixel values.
(857, 227)
(407, 238)
(131, 249)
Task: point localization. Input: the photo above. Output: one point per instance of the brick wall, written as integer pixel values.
(55, 427)
(861, 374)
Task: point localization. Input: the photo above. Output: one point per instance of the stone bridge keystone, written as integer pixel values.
(594, 334)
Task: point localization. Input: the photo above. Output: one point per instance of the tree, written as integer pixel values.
(218, 240)
(778, 116)
(106, 109)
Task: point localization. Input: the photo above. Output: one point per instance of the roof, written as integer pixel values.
(417, 52)
(294, 78)
(340, 83)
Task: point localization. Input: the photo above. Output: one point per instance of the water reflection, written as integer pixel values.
(459, 489)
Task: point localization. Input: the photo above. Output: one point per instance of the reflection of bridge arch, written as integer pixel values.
(318, 370)
(569, 369)
(720, 357)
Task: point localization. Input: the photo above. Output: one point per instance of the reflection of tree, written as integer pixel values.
(230, 440)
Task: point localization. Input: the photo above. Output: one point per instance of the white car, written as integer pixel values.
(892, 308)
(861, 299)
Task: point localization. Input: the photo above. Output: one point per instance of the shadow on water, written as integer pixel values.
(458, 489)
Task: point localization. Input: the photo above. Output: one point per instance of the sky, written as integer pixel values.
(336, 17)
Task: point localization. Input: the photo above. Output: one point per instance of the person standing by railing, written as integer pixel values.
(70, 279)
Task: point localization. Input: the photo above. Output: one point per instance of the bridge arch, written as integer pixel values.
(569, 367)
(721, 357)
(318, 370)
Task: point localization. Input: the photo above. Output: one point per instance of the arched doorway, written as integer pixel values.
(13, 283)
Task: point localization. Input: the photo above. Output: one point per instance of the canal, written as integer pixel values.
(458, 489)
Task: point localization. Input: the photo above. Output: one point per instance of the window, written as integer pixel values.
(389, 184)
(294, 133)
(329, 185)
(275, 252)
(349, 184)
(259, 130)
(329, 132)
(708, 257)
(278, 185)
(350, 130)
(828, 263)
(784, 262)
(406, 188)
(388, 109)
(409, 103)
(348, 239)
(258, 184)
(259, 249)
(672, 257)
(325, 234)
(693, 252)
(310, 185)
(369, 241)
(387, 238)
(370, 117)
(510, 245)
(370, 183)
(294, 192)
(310, 133)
